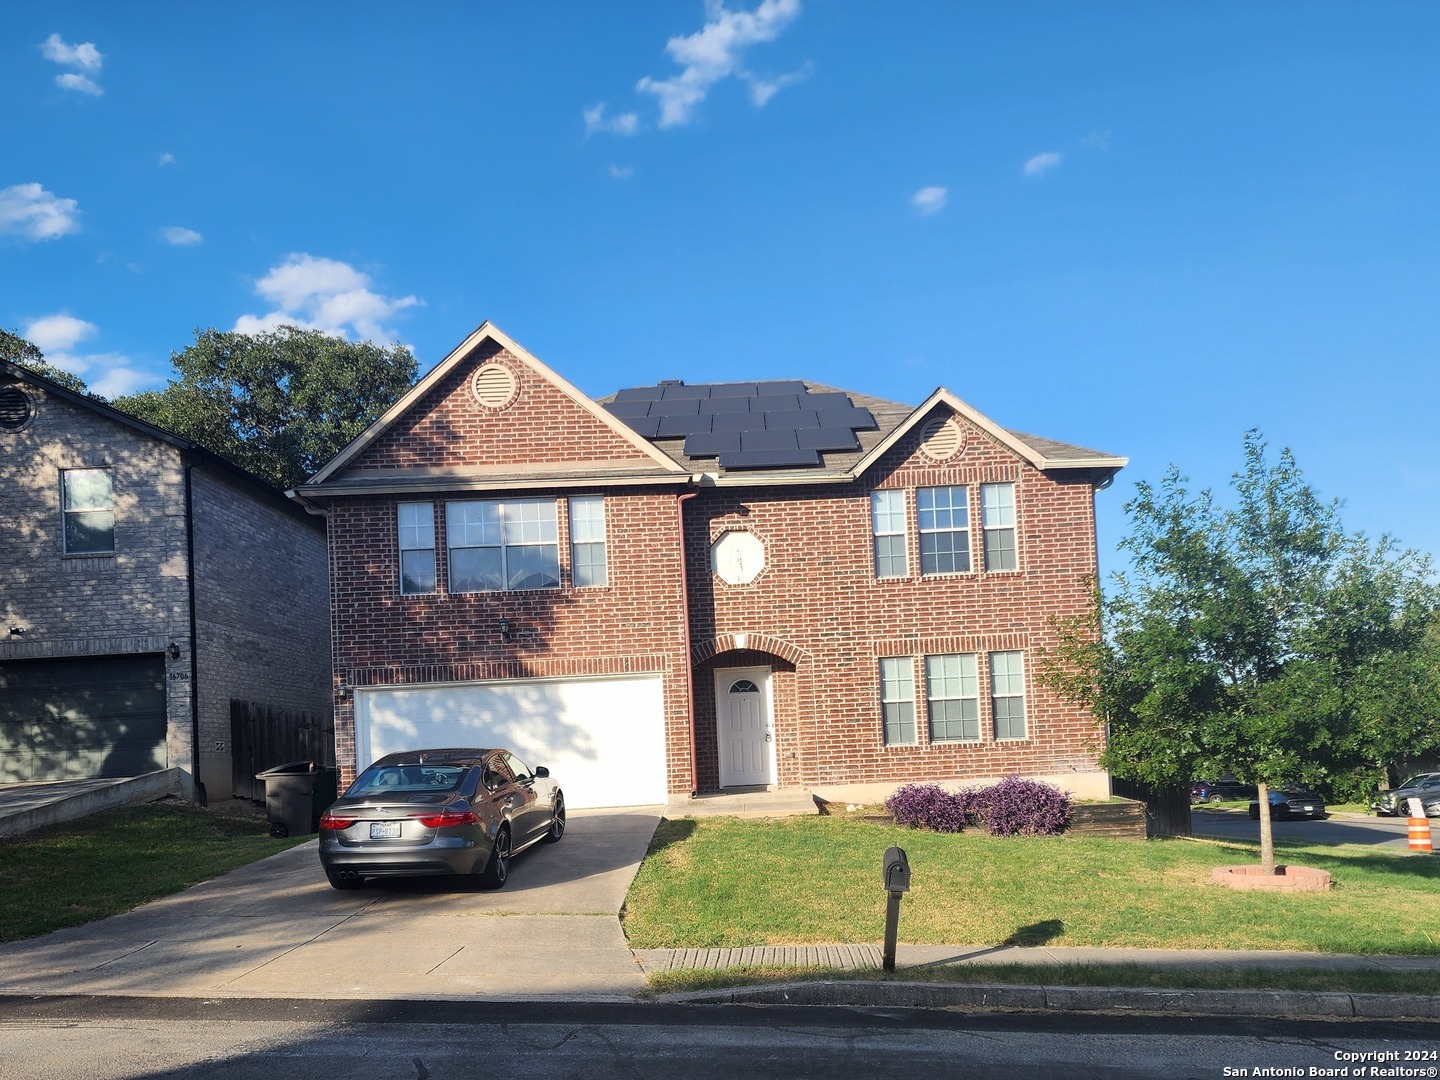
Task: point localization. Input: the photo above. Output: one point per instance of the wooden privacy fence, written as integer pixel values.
(263, 736)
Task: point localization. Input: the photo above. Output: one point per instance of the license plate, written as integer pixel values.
(384, 830)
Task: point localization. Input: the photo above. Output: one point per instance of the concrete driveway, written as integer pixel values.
(276, 928)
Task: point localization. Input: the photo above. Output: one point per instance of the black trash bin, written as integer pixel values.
(291, 793)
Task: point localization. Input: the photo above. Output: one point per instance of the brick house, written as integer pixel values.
(685, 589)
(149, 585)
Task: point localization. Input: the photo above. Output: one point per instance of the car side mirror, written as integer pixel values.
(541, 771)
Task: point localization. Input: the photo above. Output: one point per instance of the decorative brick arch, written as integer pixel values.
(709, 649)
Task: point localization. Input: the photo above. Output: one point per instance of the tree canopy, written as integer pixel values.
(26, 354)
(1260, 641)
(278, 404)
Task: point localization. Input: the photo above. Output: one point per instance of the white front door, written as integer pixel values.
(747, 747)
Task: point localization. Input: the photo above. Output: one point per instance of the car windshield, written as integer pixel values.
(1415, 781)
(405, 779)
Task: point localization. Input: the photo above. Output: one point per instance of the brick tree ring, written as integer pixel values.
(1281, 879)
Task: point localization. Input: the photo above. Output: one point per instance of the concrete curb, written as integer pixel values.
(1277, 1003)
(121, 792)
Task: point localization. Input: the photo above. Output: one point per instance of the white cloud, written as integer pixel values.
(1100, 140)
(86, 58)
(107, 374)
(929, 200)
(180, 236)
(323, 294)
(762, 90)
(80, 83)
(31, 212)
(165, 159)
(58, 333)
(624, 124)
(622, 172)
(1042, 163)
(713, 53)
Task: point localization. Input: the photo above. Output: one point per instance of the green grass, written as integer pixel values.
(110, 862)
(727, 882)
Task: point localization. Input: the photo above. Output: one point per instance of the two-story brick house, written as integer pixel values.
(684, 589)
(149, 586)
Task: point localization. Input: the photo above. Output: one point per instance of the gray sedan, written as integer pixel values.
(448, 811)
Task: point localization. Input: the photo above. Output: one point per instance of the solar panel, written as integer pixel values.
(732, 390)
(679, 391)
(714, 404)
(805, 418)
(647, 427)
(639, 393)
(775, 403)
(854, 418)
(825, 400)
(784, 386)
(828, 439)
(686, 424)
(708, 444)
(737, 422)
(626, 410)
(769, 459)
(768, 440)
(680, 407)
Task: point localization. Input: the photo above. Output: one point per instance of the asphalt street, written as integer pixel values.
(1390, 833)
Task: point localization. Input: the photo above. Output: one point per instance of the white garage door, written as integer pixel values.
(602, 739)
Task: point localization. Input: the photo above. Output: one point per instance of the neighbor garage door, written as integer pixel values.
(602, 739)
(81, 717)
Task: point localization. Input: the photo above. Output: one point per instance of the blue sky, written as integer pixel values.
(1143, 228)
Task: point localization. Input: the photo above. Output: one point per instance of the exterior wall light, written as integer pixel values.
(505, 635)
(174, 651)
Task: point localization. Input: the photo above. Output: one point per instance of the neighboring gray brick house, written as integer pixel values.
(148, 585)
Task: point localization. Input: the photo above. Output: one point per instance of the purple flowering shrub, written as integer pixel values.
(1013, 807)
(926, 806)
(1016, 807)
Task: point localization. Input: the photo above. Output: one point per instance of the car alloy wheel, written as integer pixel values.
(557, 822)
(497, 869)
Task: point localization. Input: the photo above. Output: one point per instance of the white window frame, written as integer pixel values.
(588, 548)
(507, 528)
(897, 700)
(99, 517)
(952, 684)
(1007, 685)
(958, 549)
(888, 515)
(415, 537)
(997, 518)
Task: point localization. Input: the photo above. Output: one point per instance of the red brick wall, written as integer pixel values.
(819, 595)
(816, 615)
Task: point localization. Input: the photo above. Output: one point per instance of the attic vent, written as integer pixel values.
(494, 386)
(941, 438)
(16, 408)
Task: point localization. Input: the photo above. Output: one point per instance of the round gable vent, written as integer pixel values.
(941, 438)
(16, 408)
(494, 386)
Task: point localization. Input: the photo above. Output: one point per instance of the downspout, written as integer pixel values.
(685, 615)
(194, 640)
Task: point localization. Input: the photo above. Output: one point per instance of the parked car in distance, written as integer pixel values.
(449, 811)
(1422, 786)
(1220, 790)
(1291, 802)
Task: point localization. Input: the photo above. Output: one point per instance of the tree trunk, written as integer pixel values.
(1267, 834)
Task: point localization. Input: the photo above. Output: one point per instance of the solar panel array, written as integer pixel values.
(759, 425)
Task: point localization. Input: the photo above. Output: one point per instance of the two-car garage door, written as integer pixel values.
(603, 739)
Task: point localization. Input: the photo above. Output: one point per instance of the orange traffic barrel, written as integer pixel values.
(1420, 834)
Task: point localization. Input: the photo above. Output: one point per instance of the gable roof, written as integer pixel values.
(655, 464)
(13, 373)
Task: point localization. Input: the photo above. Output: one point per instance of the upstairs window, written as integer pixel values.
(897, 700)
(952, 690)
(88, 507)
(587, 542)
(997, 516)
(944, 514)
(887, 520)
(502, 546)
(1007, 694)
(416, 524)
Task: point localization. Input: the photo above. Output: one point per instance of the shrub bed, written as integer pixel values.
(1013, 807)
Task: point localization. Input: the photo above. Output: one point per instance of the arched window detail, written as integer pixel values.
(744, 686)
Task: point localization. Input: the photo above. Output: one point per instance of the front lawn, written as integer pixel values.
(110, 862)
(717, 882)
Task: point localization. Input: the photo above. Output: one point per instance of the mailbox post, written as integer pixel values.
(896, 871)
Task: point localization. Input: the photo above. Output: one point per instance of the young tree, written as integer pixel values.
(27, 354)
(278, 404)
(1259, 640)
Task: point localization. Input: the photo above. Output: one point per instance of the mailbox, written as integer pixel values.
(897, 870)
